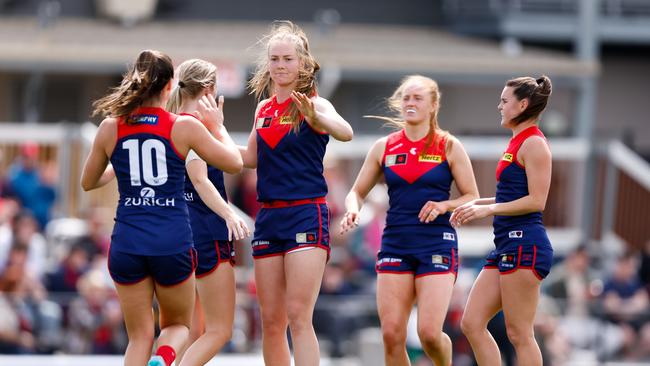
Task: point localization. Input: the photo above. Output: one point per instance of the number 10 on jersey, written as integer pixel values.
(151, 152)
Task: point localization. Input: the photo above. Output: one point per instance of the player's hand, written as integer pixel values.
(431, 210)
(469, 212)
(349, 221)
(237, 228)
(210, 113)
(306, 107)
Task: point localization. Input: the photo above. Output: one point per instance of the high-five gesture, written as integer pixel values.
(305, 106)
(210, 113)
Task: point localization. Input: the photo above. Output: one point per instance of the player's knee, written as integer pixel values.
(393, 333)
(142, 337)
(519, 334)
(220, 333)
(274, 322)
(299, 316)
(470, 326)
(430, 335)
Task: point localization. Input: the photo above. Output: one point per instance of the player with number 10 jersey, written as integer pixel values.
(152, 217)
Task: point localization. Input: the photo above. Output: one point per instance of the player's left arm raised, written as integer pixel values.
(322, 116)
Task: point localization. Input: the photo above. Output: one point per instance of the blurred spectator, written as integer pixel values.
(572, 328)
(95, 318)
(65, 277)
(15, 332)
(337, 185)
(8, 210)
(336, 313)
(27, 182)
(22, 230)
(624, 298)
(36, 315)
(644, 268)
(98, 239)
(365, 242)
(626, 303)
(571, 283)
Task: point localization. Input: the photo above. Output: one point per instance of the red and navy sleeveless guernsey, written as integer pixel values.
(414, 177)
(289, 164)
(152, 217)
(512, 184)
(206, 224)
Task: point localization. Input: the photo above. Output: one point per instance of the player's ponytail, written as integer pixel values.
(145, 80)
(194, 76)
(537, 91)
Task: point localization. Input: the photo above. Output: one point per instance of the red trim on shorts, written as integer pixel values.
(309, 246)
(108, 266)
(395, 272)
(216, 244)
(267, 255)
(216, 247)
(527, 268)
(129, 283)
(199, 276)
(283, 204)
(195, 264)
(176, 284)
(320, 226)
(535, 262)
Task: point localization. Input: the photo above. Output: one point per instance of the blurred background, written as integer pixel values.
(56, 57)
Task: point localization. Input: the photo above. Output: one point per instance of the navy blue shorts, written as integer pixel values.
(212, 253)
(285, 229)
(166, 270)
(512, 257)
(435, 261)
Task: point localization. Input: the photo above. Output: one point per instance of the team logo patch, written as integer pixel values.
(395, 159)
(517, 234)
(148, 119)
(286, 120)
(305, 238)
(448, 236)
(507, 157)
(440, 261)
(508, 260)
(426, 158)
(263, 122)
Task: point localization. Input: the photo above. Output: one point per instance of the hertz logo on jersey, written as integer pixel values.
(507, 157)
(430, 158)
(286, 120)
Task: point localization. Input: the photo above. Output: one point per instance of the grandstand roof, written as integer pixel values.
(359, 51)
